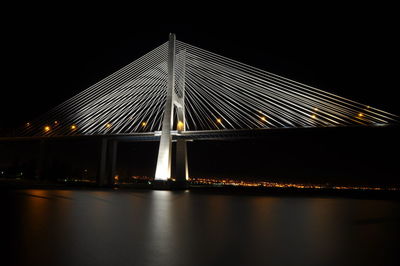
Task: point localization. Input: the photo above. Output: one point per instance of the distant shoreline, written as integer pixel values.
(224, 190)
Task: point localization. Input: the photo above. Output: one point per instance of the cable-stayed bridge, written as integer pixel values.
(181, 92)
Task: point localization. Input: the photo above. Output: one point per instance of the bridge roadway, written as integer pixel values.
(227, 134)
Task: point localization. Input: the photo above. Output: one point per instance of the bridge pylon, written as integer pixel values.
(175, 100)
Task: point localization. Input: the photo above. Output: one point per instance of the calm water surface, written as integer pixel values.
(77, 227)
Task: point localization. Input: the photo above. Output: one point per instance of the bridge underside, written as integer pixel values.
(109, 144)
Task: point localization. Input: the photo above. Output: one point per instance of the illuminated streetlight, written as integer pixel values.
(219, 120)
(47, 128)
(73, 127)
(360, 114)
(144, 123)
(180, 125)
(313, 116)
(108, 125)
(263, 118)
(56, 122)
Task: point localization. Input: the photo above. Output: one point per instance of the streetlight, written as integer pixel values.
(180, 126)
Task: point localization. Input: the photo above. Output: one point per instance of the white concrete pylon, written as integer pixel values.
(163, 168)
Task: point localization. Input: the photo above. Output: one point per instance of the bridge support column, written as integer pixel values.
(102, 170)
(107, 163)
(182, 173)
(112, 155)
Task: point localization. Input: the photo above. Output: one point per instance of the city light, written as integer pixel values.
(108, 125)
(73, 127)
(238, 182)
(219, 120)
(27, 124)
(315, 109)
(220, 181)
(47, 128)
(263, 118)
(144, 123)
(56, 122)
(360, 114)
(313, 116)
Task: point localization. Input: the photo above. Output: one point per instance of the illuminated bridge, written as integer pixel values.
(179, 92)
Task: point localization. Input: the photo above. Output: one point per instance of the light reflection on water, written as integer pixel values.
(77, 227)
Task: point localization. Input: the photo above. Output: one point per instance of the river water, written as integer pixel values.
(80, 227)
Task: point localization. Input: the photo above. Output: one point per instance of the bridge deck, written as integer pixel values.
(188, 135)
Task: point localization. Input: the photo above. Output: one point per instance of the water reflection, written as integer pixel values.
(161, 229)
(68, 227)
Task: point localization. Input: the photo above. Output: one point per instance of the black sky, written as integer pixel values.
(49, 55)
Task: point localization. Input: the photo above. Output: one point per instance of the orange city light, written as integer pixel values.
(108, 125)
(263, 118)
(219, 120)
(73, 127)
(144, 123)
(47, 128)
(180, 125)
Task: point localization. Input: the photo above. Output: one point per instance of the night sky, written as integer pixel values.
(50, 55)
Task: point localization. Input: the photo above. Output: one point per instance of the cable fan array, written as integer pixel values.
(130, 100)
(219, 93)
(223, 93)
